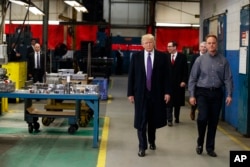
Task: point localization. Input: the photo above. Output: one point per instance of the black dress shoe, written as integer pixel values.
(192, 115)
(212, 154)
(177, 121)
(199, 150)
(170, 124)
(141, 153)
(152, 146)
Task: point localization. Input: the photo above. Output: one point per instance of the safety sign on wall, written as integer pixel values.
(244, 38)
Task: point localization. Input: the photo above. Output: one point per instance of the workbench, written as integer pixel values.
(31, 114)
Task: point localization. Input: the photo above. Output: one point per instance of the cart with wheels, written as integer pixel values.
(31, 114)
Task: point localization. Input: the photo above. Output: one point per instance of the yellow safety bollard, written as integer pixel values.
(4, 106)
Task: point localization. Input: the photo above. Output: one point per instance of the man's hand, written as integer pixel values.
(131, 99)
(167, 98)
(192, 101)
(182, 84)
(228, 100)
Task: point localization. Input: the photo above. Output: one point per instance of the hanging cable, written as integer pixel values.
(22, 27)
(4, 9)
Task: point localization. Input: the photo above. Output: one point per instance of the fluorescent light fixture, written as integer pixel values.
(28, 5)
(20, 2)
(81, 9)
(50, 22)
(35, 10)
(73, 3)
(53, 22)
(77, 5)
(195, 25)
(176, 25)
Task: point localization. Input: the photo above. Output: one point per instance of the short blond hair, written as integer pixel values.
(147, 37)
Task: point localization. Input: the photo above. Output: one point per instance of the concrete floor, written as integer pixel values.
(175, 145)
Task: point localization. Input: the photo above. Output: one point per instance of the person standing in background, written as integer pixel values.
(36, 65)
(31, 48)
(209, 74)
(119, 61)
(149, 91)
(179, 79)
(203, 50)
(14, 54)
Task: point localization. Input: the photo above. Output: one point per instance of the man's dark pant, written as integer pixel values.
(209, 102)
(170, 113)
(147, 125)
(38, 75)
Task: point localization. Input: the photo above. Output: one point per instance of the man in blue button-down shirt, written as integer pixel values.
(209, 74)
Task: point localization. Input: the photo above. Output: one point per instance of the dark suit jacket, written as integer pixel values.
(13, 57)
(179, 73)
(30, 51)
(194, 57)
(159, 87)
(31, 63)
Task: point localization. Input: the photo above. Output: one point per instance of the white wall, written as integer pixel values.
(177, 12)
(214, 7)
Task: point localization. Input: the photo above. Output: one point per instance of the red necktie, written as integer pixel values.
(172, 59)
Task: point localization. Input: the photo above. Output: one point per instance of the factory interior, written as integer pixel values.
(72, 109)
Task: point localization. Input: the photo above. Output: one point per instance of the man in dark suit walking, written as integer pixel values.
(36, 65)
(179, 79)
(149, 90)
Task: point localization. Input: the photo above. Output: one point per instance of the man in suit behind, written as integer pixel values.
(36, 65)
(179, 79)
(203, 50)
(14, 54)
(149, 90)
(31, 48)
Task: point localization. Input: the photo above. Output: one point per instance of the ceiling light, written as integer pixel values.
(176, 25)
(20, 2)
(51, 22)
(28, 5)
(195, 25)
(81, 9)
(77, 5)
(35, 10)
(72, 3)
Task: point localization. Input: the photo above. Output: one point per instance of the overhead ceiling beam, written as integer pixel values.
(143, 1)
(180, 0)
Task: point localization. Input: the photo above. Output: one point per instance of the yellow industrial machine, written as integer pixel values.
(17, 72)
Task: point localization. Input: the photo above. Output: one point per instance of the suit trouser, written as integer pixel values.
(38, 75)
(147, 125)
(209, 103)
(170, 113)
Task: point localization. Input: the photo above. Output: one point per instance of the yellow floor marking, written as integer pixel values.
(101, 162)
(234, 139)
(111, 82)
(110, 97)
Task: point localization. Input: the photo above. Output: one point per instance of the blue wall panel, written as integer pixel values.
(244, 82)
(231, 112)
